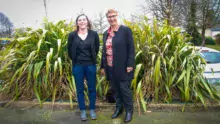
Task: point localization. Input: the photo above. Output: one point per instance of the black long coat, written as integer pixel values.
(123, 54)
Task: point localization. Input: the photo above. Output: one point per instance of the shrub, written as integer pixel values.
(210, 41)
(167, 66)
(197, 39)
(172, 68)
(217, 37)
(38, 65)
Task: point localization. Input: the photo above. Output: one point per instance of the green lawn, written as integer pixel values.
(217, 47)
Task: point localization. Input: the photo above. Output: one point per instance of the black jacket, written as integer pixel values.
(123, 54)
(73, 42)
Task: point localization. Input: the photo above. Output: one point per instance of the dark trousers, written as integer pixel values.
(122, 90)
(89, 72)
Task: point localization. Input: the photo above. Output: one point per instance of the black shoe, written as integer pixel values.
(128, 117)
(117, 112)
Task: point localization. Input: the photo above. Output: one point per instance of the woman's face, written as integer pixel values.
(112, 19)
(82, 22)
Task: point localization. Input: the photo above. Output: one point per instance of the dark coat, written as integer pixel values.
(123, 54)
(73, 42)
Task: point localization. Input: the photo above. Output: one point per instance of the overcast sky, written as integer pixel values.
(31, 12)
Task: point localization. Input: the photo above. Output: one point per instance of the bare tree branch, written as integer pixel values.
(163, 10)
(99, 23)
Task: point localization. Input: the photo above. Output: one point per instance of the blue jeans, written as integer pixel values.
(89, 72)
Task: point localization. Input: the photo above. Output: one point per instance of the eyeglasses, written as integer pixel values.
(113, 16)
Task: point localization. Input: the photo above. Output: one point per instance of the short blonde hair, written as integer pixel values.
(111, 11)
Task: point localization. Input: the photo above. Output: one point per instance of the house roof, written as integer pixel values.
(215, 28)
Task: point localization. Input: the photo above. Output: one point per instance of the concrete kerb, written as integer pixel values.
(110, 107)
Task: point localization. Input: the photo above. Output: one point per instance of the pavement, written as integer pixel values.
(48, 116)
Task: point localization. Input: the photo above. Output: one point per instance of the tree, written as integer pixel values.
(45, 7)
(6, 26)
(163, 10)
(99, 23)
(184, 11)
(179, 13)
(191, 24)
(208, 15)
(135, 18)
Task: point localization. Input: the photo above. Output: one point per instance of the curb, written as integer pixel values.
(109, 106)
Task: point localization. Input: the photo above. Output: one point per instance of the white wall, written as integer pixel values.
(215, 33)
(209, 33)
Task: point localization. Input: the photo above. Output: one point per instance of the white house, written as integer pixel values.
(212, 31)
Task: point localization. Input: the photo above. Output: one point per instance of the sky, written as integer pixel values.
(30, 13)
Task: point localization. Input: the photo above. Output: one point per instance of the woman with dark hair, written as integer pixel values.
(83, 47)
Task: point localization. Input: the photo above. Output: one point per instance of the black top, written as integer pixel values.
(74, 43)
(123, 54)
(83, 52)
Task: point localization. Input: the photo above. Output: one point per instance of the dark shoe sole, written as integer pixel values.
(117, 116)
(127, 121)
(114, 117)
